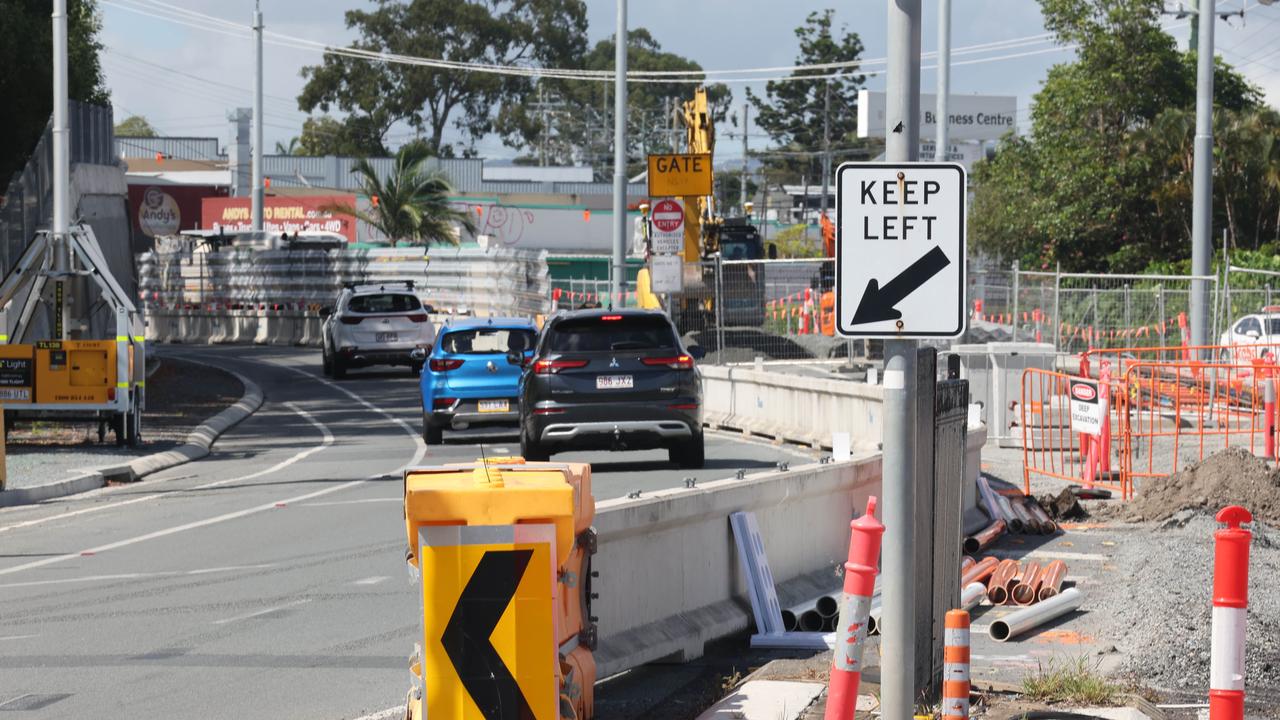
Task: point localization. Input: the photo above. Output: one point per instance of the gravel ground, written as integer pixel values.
(180, 395)
(1159, 618)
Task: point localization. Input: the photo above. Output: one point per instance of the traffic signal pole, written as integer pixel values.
(619, 269)
(902, 144)
(256, 163)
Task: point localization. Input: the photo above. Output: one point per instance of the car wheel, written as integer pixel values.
(432, 434)
(326, 365)
(531, 450)
(415, 369)
(339, 370)
(690, 455)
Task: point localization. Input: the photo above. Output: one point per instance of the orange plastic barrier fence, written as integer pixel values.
(1177, 413)
(1049, 446)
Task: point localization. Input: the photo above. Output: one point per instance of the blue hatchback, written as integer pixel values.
(472, 376)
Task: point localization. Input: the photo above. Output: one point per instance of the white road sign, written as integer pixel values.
(666, 274)
(900, 250)
(668, 227)
(1086, 411)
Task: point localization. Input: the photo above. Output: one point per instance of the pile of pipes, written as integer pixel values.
(1015, 513)
(821, 613)
(1035, 588)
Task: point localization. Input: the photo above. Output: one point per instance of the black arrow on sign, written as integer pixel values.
(466, 637)
(878, 303)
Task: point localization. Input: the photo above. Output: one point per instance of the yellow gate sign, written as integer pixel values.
(489, 649)
(676, 174)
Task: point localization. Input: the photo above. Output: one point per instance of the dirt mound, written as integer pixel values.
(1230, 477)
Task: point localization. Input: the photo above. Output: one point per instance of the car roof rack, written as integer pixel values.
(394, 284)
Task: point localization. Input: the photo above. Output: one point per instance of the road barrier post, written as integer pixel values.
(955, 670)
(1269, 395)
(855, 609)
(1230, 605)
(502, 549)
(1104, 399)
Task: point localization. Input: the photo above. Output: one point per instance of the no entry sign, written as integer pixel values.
(900, 250)
(667, 217)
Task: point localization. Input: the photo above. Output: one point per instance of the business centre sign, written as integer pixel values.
(973, 117)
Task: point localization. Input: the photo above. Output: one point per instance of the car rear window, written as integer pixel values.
(598, 334)
(384, 303)
(485, 341)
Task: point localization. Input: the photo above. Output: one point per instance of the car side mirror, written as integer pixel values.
(697, 352)
(773, 251)
(326, 312)
(1253, 334)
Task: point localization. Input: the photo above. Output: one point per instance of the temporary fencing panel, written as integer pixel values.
(1049, 446)
(1177, 413)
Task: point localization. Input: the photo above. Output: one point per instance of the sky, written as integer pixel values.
(184, 77)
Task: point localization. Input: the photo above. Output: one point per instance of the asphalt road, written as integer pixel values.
(267, 580)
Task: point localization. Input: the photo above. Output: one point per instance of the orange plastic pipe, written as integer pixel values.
(980, 571)
(983, 538)
(966, 562)
(1024, 593)
(997, 586)
(1051, 580)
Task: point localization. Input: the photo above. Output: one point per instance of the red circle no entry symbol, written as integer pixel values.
(668, 216)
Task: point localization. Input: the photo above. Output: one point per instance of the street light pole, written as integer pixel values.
(619, 269)
(826, 143)
(61, 171)
(944, 79)
(902, 145)
(257, 120)
(1202, 179)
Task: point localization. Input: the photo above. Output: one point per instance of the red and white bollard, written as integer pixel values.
(955, 666)
(1230, 604)
(855, 609)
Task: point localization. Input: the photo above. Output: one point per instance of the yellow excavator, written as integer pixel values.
(710, 239)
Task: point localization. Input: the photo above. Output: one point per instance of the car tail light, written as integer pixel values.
(610, 318)
(418, 317)
(547, 411)
(443, 403)
(685, 406)
(444, 364)
(349, 320)
(551, 367)
(675, 362)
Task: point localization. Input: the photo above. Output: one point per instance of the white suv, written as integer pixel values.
(382, 324)
(1254, 336)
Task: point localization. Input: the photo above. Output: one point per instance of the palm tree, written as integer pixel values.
(411, 204)
(290, 149)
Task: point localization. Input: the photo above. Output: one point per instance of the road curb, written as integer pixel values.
(197, 445)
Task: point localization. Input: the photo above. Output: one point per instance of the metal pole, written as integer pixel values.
(745, 109)
(1015, 297)
(826, 142)
(619, 273)
(897, 675)
(1057, 295)
(1202, 186)
(944, 81)
(257, 119)
(1128, 319)
(61, 169)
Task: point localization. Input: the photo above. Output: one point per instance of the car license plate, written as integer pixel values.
(491, 406)
(614, 382)
(386, 337)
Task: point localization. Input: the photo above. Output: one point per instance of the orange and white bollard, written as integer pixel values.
(855, 610)
(1104, 399)
(807, 312)
(1230, 604)
(1269, 425)
(955, 666)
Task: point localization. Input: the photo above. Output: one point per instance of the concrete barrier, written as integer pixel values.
(792, 408)
(669, 574)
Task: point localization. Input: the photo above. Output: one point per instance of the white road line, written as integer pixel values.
(260, 613)
(135, 576)
(17, 637)
(355, 502)
(326, 441)
(396, 711)
(370, 580)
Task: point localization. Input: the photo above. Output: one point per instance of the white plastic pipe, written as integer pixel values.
(971, 595)
(1040, 613)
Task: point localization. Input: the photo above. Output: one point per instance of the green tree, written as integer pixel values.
(26, 71)
(290, 149)
(135, 126)
(411, 204)
(798, 241)
(1084, 188)
(793, 112)
(377, 95)
(570, 121)
(354, 137)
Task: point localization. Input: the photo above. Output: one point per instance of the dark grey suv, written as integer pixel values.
(612, 380)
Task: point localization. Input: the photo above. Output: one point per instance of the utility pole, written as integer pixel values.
(619, 273)
(257, 119)
(1202, 179)
(1194, 42)
(944, 80)
(61, 171)
(902, 145)
(826, 142)
(743, 202)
